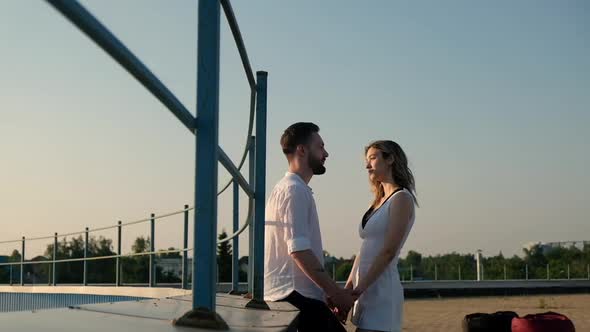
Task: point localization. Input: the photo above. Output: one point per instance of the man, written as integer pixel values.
(293, 263)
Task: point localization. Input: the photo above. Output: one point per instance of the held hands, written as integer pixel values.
(341, 302)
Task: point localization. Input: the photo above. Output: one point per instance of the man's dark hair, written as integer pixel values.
(297, 133)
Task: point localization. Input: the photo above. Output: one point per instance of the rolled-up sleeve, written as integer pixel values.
(296, 219)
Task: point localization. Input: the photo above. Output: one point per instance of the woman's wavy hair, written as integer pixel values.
(401, 173)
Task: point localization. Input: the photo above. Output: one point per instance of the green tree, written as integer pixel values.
(343, 270)
(224, 259)
(102, 270)
(536, 261)
(135, 269)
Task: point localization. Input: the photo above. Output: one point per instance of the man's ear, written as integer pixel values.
(300, 149)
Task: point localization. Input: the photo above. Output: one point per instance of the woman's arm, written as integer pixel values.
(399, 220)
(349, 282)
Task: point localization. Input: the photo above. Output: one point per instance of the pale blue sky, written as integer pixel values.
(490, 100)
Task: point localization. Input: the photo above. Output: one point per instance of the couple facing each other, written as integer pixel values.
(294, 263)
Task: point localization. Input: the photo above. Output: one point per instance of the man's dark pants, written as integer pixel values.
(314, 315)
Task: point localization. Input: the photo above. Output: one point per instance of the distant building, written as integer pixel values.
(171, 265)
(174, 266)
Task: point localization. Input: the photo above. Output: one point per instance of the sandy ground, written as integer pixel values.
(429, 315)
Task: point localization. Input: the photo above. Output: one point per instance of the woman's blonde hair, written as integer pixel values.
(401, 173)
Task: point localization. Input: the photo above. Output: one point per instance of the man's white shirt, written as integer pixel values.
(292, 225)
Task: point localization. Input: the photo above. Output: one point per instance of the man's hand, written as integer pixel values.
(339, 313)
(357, 292)
(342, 299)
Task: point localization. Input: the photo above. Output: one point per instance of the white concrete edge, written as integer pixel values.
(157, 292)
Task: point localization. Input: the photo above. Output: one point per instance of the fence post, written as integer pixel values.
(185, 252)
(207, 144)
(152, 276)
(252, 181)
(435, 272)
(259, 193)
(85, 275)
(10, 274)
(22, 265)
(459, 272)
(118, 260)
(568, 272)
(526, 267)
(235, 268)
(587, 268)
(479, 264)
(505, 272)
(334, 271)
(548, 277)
(411, 272)
(54, 265)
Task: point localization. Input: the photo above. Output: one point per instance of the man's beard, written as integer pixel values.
(316, 165)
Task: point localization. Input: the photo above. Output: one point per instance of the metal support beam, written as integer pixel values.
(205, 226)
(234, 172)
(235, 29)
(85, 273)
(53, 265)
(252, 178)
(152, 274)
(96, 31)
(185, 253)
(118, 259)
(22, 265)
(260, 194)
(235, 253)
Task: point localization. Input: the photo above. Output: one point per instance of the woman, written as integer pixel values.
(383, 230)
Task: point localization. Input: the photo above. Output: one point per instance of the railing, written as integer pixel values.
(208, 153)
(54, 261)
(152, 220)
(503, 272)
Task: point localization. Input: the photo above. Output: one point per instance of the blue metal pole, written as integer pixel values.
(259, 200)
(252, 179)
(205, 226)
(53, 265)
(152, 276)
(118, 260)
(22, 265)
(185, 253)
(235, 29)
(86, 22)
(235, 268)
(85, 275)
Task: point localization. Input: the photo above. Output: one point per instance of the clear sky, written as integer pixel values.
(490, 101)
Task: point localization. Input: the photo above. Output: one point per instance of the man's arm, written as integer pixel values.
(310, 265)
(299, 247)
